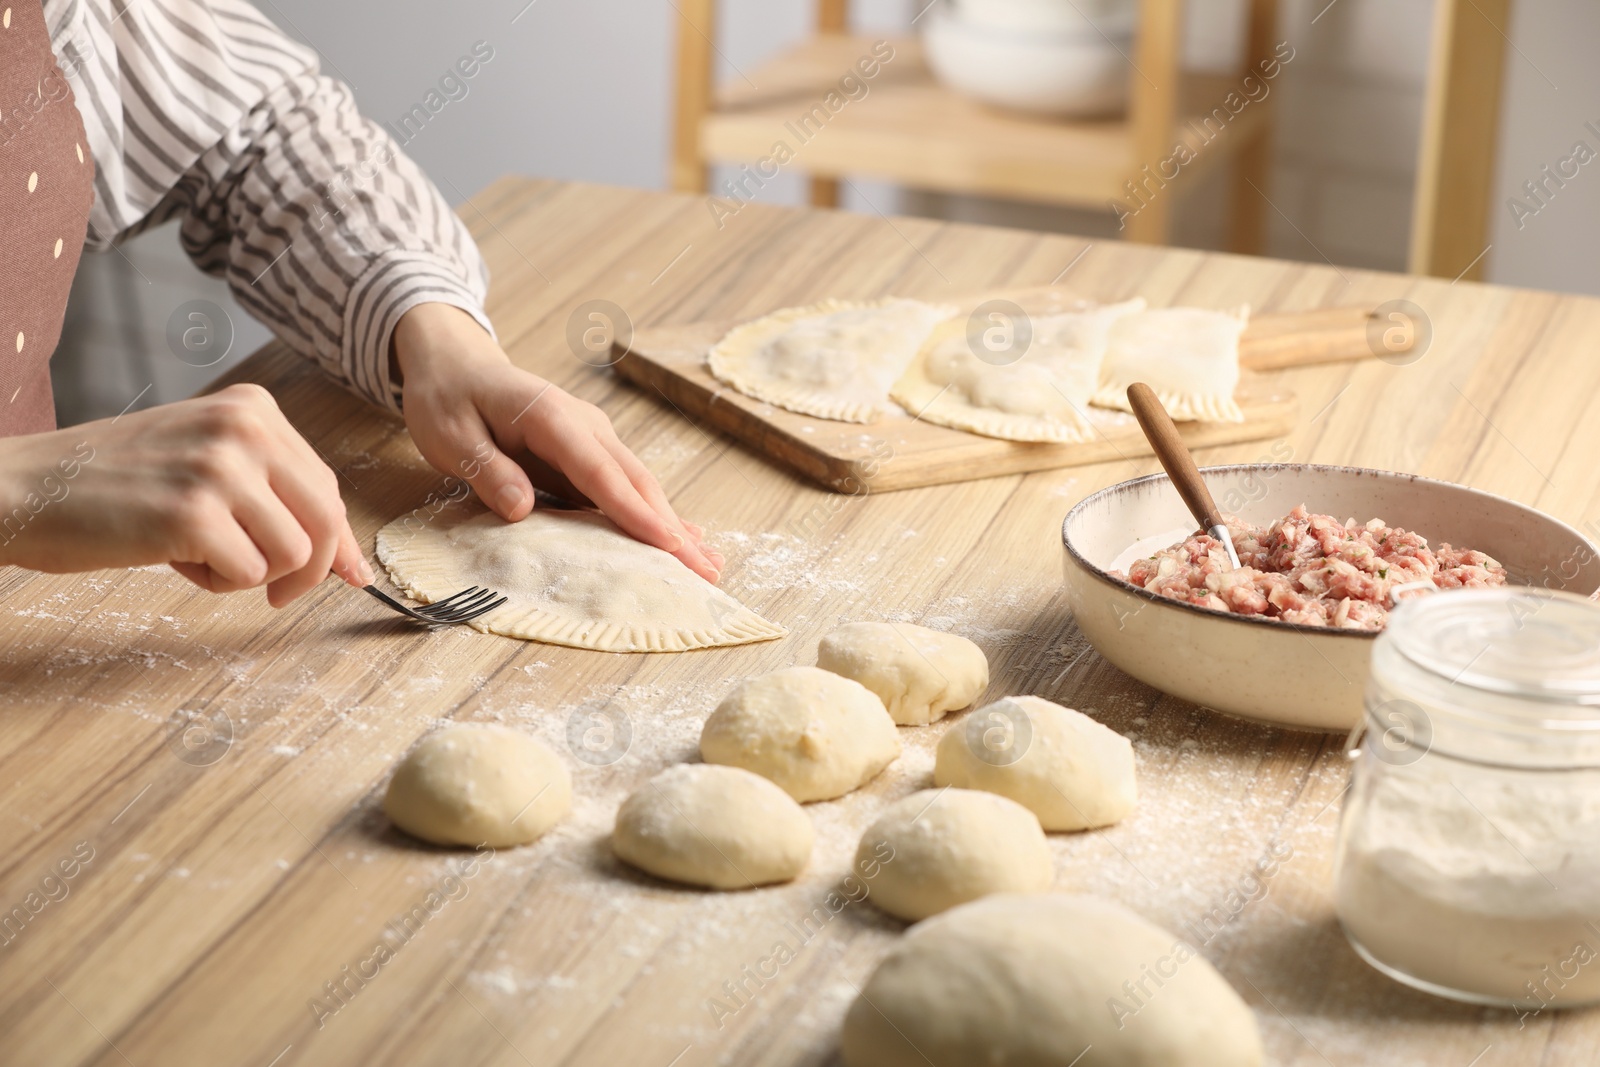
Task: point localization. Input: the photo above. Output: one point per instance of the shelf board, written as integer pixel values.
(910, 129)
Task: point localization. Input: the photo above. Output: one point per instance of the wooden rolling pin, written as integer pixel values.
(1297, 339)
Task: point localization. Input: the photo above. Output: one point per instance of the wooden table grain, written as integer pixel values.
(209, 770)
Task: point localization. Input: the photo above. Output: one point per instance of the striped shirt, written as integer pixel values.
(202, 110)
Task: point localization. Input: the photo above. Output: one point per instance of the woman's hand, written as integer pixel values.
(221, 487)
(474, 415)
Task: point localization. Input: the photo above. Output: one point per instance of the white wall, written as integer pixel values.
(583, 91)
(1552, 89)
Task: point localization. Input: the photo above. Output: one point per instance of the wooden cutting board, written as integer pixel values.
(899, 452)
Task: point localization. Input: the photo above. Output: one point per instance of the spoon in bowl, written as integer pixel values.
(1180, 467)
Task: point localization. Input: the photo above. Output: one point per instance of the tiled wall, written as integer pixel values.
(1348, 123)
(115, 349)
(1349, 111)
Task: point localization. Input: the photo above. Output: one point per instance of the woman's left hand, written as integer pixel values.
(474, 415)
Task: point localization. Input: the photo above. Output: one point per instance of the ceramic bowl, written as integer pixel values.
(1116, 16)
(1290, 675)
(1077, 70)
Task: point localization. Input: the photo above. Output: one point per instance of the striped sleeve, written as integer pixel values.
(325, 231)
(204, 111)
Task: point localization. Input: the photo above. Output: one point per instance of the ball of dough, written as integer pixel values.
(475, 784)
(814, 733)
(941, 847)
(918, 673)
(719, 827)
(1036, 980)
(1070, 771)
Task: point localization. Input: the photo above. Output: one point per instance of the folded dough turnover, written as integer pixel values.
(571, 578)
(1188, 356)
(833, 360)
(1038, 397)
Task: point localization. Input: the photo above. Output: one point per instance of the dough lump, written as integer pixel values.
(477, 783)
(1070, 771)
(718, 827)
(815, 734)
(1037, 979)
(948, 846)
(918, 673)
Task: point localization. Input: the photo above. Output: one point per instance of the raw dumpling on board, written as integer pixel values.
(1188, 356)
(571, 578)
(1038, 397)
(833, 360)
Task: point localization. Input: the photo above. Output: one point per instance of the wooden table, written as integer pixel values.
(227, 888)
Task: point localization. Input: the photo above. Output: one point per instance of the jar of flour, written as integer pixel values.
(1469, 849)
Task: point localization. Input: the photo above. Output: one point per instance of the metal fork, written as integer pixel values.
(469, 603)
(460, 607)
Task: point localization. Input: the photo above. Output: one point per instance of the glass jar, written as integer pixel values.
(1468, 862)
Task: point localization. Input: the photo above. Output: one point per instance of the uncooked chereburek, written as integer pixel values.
(918, 673)
(833, 360)
(1038, 396)
(815, 734)
(478, 784)
(949, 846)
(571, 578)
(1040, 980)
(1188, 356)
(718, 827)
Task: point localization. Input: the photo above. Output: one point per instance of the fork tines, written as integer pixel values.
(459, 607)
(463, 606)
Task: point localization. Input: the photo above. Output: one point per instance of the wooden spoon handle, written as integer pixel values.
(1173, 454)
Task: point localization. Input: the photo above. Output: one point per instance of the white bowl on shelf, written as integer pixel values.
(1073, 68)
(1113, 16)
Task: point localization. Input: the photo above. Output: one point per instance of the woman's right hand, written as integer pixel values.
(221, 487)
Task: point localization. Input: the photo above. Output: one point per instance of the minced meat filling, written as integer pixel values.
(1309, 569)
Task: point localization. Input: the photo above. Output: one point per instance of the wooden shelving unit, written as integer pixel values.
(911, 130)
